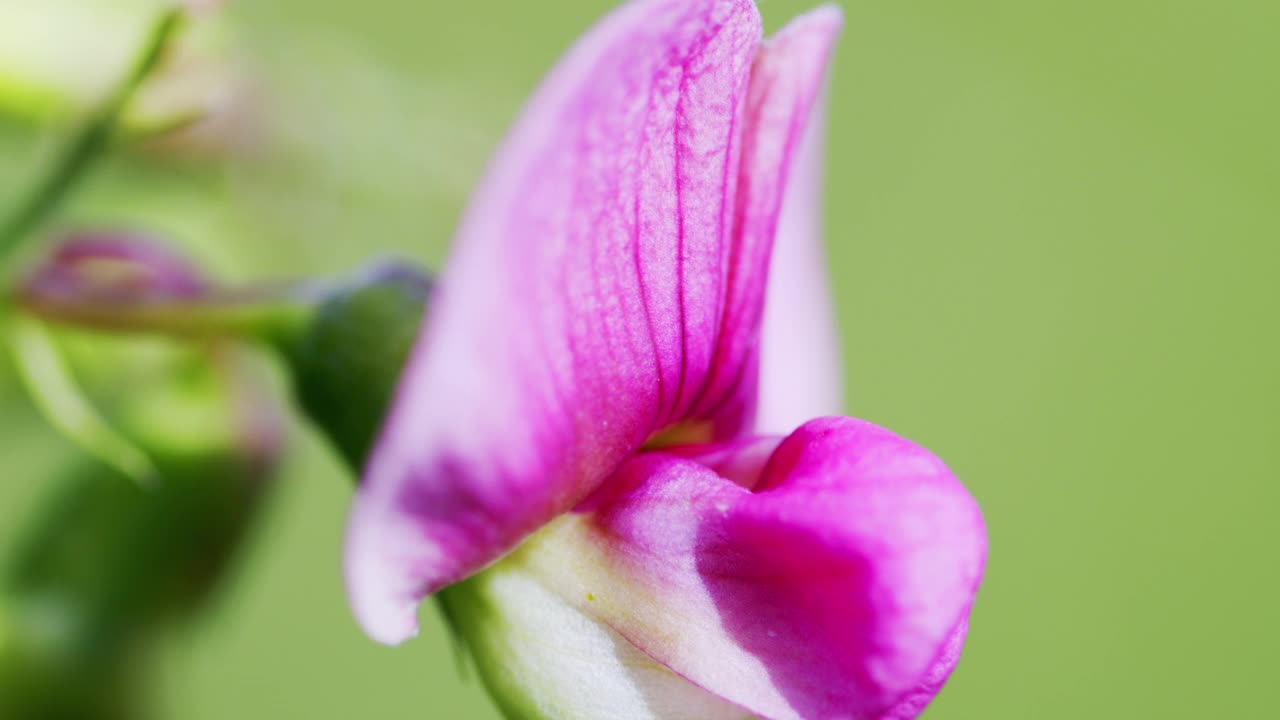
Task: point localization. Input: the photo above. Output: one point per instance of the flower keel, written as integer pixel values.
(827, 582)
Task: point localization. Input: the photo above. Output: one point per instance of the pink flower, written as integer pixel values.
(597, 384)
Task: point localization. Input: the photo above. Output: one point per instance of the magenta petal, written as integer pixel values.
(579, 311)
(832, 587)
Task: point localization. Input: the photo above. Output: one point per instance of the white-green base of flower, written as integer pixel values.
(543, 659)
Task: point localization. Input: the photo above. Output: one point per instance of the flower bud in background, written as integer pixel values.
(122, 554)
(344, 341)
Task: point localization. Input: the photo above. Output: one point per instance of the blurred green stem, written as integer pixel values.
(272, 316)
(90, 143)
(54, 390)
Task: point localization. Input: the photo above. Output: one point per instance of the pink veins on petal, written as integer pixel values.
(605, 299)
(607, 282)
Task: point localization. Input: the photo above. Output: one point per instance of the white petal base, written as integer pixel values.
(543, 659)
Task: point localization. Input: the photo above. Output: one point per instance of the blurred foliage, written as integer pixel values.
(103, 574)
(109, 566)
(1053, 235)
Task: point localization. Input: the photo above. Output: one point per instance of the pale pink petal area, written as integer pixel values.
(801, 373)
(828, 585)
(605, 284)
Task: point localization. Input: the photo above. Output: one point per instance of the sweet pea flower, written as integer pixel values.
(588, 436)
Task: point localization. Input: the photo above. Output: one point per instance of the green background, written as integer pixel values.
(1053, 233)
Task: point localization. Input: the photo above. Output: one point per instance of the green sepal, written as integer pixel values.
(347, 357)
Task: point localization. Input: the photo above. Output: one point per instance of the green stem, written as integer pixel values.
(90, 143)
(54, 391)
(273, 316)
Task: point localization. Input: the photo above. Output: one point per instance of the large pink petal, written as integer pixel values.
(830, 583)
(601, 289)
(577, 313)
